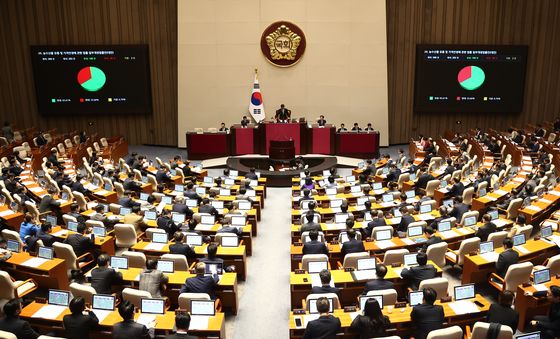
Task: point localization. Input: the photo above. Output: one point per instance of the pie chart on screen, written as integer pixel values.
(91, 78)
(471, 77)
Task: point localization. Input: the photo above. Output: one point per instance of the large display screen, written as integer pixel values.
(470, 78)
(112, 79)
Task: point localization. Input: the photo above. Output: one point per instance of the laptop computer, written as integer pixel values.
(244, 205)
(103, 302)
(229, 182)
(152, 306)
(51, 219)
(330, 191)
(541, 276)
(444, 226)
(145, 180)
(350, 178)
(388, 197)
(425, 208)
(99, 231)
(365, 264)
(150, 215)
(518, 239)
(414, 231)
(208, 180)
(486, 247)
(413, 176)
(207, 219)
(178, 218)
(443, 184)
(377, 186)
(463, 292)
(229, 241)
(179, 188)
(119, 262)
(355, 189)
(12, 245)
(73, 226)
(125, 210)
(336, 203)
(191, 203)
(203, 307)
(448, 202)
(167, 200)
(470, 221)
(326, 173)
(481, 192)
(166, 266)
(361, 201)
(494, 214)
(217, 204)
(193, 240)
(224, 192)
(144, 196)
(233, 173)
(383, 235)
(341, 218)
(316, 266)
(410, 259)
(238, 220)
(213, 268)
(200, 190)
(57, 297)
(160, 238)
(385, 170)
(410, 194)
(546, 231)
(365, 298)
(415, 297)
(313, 305)
(532, 335)
(108, 187)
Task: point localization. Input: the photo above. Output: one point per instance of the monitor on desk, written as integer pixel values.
(73, 226)
(65, 196)
(217, 204)
(254, 183)
(51, 219)
(425, 208)
(541, 276)
(103, 302)
(200, 191)
(166, 266)
(518, 239)
(57, 297)
(12, 245)
(377, 186)
(361, 164)
(227, 241)
(145, 179)
(330, 191)
(238, 220)
(224, 192)
(108, 187)
(193, 240)
(144, 196)
(316, 266)
(167, 200)
(208, 180)
(207, 219)
(481, 192)
(150, 215)
(313, 305)
(125, 210)
(336, 203)
(383, 235)
(361, 201)
(326, 173)
(355, 189)
(365, 264)
(229, 182)
(546, 231)
(119, 262)
(341, 218)
(105, 207)
(414, 231)
(152, 306)
(415, 297)
(350, 178)
(365, 298)
(244, 205)
(532, 335)
(388, 197)
(444, 225)
(213, 268)
(179, 188)
(410, 194)
(397, 213)
(470, 221)
(448, 202)
(99, 231)
(486, 247)
(305, 204)
(494, 214)
(412, 176)
(343, 237)
(410, 259)
(233, 173)
(160, 238)
(178, 218)
(443, 184)
(191, 203)
(464, 292)
(385, 170)
(203, 307)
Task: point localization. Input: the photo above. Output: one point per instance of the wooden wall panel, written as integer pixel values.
(36, 22)
(411, 22)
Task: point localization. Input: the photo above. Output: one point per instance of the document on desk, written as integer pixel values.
(101, 314)
(540, 287)
(425, 217)
(490, 256)
(545, 201)
(464, 230)
(60, 233)
(36, 189)
(49, 312)
(500, 222)
(6, 213)
(364, 275)
(199, 322)
(554, 192)
(332, 227)
(27, 182)
(408, 241)
(336, 210)
(204, 227)
(316, 280)
(521, 249)
(309, 317)
(385, 244)
(449, 234)
(34, 262)
(148, 320)
(463, 307)
(501, 192)
(91, 187)
(101, 192)
(154, 246)
(393, 221)
(534, 208)
(518, 179)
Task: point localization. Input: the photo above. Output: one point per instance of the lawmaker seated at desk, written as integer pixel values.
(372, 323)
(283, 114)
(502, 313)
(352, 245)
(342, 129)
(369, 128)
(81, 321)
(314, 246)
(211, 256)
(179, 247)
(223, 128)
(549, 325)
(81, 242)
(415, 274)
(201, 283)
(128, 328)
(427, 316)
(507, 258)
(326, 326)
(182, 323)
(104, 277)
(12, 323)
(325, 287)
(379, 283)
(321, 121)
(356, 128)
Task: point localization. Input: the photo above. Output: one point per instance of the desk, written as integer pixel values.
(321, 139)
(283, 132)
(51, 274)
(13, 219)
(164, 323)
(359, 145)
(529, 306)
(208, 145)
(104, 244)
(245, 139)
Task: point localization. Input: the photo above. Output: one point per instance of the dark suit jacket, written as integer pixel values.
(457, 189)
(252, 176)
(78, 187)
(416, 274)
(103, 277)
(184, 249)
(131, 185)
(48, 203)
(458, 211)
(485, 230)
(80, 243)
(423, 180)
(79, 326)
(352, 246)
(505, 260)
(168, 225)
(503, 315)
(377, 285)
(366, 329)
(310, 226)
(162, 177)
(47, 239)
(426, 318)
(405, 221)
(315, 247)
(19, 327)
(183, 209)
(433, 240)
(179, 336)
(200, 284)
(325, 289)
(208, 209)
(449, 169)
(326, 327)
(129, 329)
(394, 175)
(128, 202)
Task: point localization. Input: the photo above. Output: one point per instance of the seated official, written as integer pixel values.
(283, 114)
(205, 207)
(162, 176)
(352, 245)
(376, 220)
(321, 121)
(127, 201)
(325, 287)
(128, 328)
(75, 212)
(44, 234)
(372, 323)
(427, 316)
(99, 215)
(459, 208)
(432, 238)
(28, 227)
(549, 325)
(314, 246)
(164, 222)
(380, 283)
(310, 225)
(406, 220)
(178, 247)
(12, 323)
(306, 195)
(485, 230)
(342, 128)
(356, 128)
(136, 219)
(245, 121)
(78, 325)
(82, 241)
(252, 174)
(103, 276)
(502, 313)
(180, 207)
(443, 212)
(129, 184)
(211, 257)
(182, 323)
(200, 283)
(326, 327)
(369, 128)
(152, 280)
(507, 258)
(415, 274)
(457, 188)
(223, 128)
(307, 184)
(394, 174)
(48, 202)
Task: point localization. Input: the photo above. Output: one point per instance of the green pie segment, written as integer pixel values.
(471, 77)
(91, 78)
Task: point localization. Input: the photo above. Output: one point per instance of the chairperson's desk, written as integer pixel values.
(48, 274)
(208, 145)
(400, 318)
(164, 324)
(360, 144)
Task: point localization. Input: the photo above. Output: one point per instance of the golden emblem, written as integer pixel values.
(283, 43)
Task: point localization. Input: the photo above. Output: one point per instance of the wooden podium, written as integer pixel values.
(282, 150)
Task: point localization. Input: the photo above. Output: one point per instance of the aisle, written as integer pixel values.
(265, 298)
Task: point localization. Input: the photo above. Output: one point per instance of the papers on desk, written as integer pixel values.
(521, 249)
(393, 221)
(101, 314)
(27, 182)
(101, 192)
(6, 213)
(309, 317)
(378, 192)
(448, 234)
(408, 241)
(91, 187)
(154, 246)
(556, 193)
(62, 201)
(387, 204)
(500, 222)
(398, 270)
(546, 201)
(490, 256)
(331, 227)
(359, 208)
(463, 307)
(490, 198)
(540, 287)
(60, 233)
(199, 322)
(49, 312)
(533, 208)
(353, 315)
(316, 280)
(148, 320)
(356, 195)
(34, 262)
(204, 227)
(36, 189)
(425, 217)
(336, 209)
(364, 275)
(464, 230)
(500, 192)
(517, 179)
(385, 244)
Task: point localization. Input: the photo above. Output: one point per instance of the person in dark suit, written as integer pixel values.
(48, 203)
(406, 220)
(223, 128)
(376, 220)
(205, 207)
(252, 174)
(211, 256)
(449, 169)
(128, 328)
(423, 179)
(200, 283)
(44, 234)
(314, 246)
(432, 238)
(325, 287)
(80, 242)
(549, 325)
(485, 230)
(283, 114)
(77, 186)
(342, 128)
(162, 176)
(372, 323)
(53, 159)
(182, 322)
(321, 121)
(75, 212)
(380, 283)
(427, 316)
(13, 324)
(310, 225)
(78, 325)
(352, 245)
(167, 224)
(415, 274)
(180, 207)
(394, 173)
(178, 247)
(457, 188)
(130, 185)
(126, 200)
(245, 121)
(326, 327)
(502, 313)
(459, 208)
(507, 258)
(103, 277)
(356, 128)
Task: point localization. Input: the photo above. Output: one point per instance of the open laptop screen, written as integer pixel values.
(203, 307)
(103, 302)
(152, 306)
(57, 297)
(464, 292)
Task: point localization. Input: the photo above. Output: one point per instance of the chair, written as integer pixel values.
(82, 202)
(526, 230)
(185, 299)
(431, 187)
(91, 223)
(66, 252)
(551, 137)
(135, 296)
(320, 238)
(303, 218)
(84, 291)
(439, 284)
(135, 259)
(125, 235)
(436, 253)
(32, 208)
(381, 228)
(137, 175)
(307, 258)
(119, 189)
(10, 289)
(107, 181)
(104, 142)
(516, 275)
(467, 246)
(68, 191)
(312, 296)
(552, 263)
(389, 296)
(358, 236)
(469, 214)
(68, 143)
(8, 335)
(513, 208)
(152, 181)
(351, 259)
(152, 230)
(480, 330)
(180, 261)
(394, 256)
(402, 179)
(454, 332)
(115, 208)
(498, 238)
(218, 237)
(67, 218)
(468, 195)
(12, 235)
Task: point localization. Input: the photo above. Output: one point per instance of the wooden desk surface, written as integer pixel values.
(199, 250)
